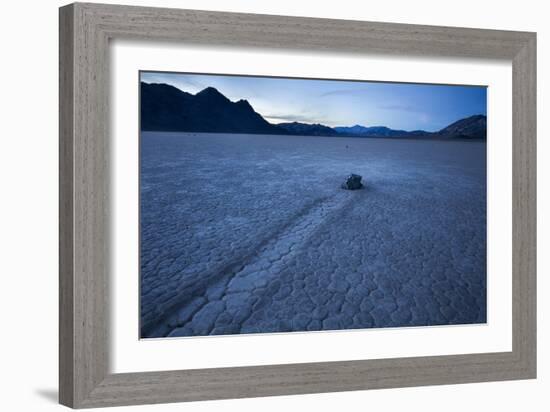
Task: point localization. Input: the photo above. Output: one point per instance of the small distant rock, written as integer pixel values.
(353, 182)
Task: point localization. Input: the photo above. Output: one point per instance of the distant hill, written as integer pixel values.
(378, 131)
(473, 127)
(167, 108)
(306, 129)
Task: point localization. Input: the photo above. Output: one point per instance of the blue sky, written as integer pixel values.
(341, 103)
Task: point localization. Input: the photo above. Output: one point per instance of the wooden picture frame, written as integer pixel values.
(85, 31)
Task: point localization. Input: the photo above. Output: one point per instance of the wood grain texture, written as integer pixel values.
(66, 229)
(524, 225)
(85, 31)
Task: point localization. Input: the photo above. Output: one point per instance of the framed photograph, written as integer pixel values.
(256, 205)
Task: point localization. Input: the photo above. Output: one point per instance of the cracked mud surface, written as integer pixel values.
(244, 234)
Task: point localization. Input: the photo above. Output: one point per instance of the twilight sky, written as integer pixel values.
(341, 103)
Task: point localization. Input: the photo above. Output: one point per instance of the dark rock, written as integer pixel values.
(353, 182)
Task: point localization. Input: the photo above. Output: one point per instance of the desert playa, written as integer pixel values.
(253, 233)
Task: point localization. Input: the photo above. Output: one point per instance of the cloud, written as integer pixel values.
(343, 92)
(193, 83)
(291, 118)
(401, 108)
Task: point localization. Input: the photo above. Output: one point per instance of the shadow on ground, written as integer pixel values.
(51, 395)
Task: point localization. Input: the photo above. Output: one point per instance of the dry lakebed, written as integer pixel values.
(253, 233)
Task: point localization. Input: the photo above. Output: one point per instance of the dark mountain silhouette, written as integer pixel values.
(473, 127)
(165, 108)
(306, 129)
(168, 109)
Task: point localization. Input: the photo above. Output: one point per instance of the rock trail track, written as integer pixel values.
(232, 294)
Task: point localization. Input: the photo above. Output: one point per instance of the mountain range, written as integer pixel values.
(167, 108)
(378, 131)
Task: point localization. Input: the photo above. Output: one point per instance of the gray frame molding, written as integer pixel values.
(85, 31)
